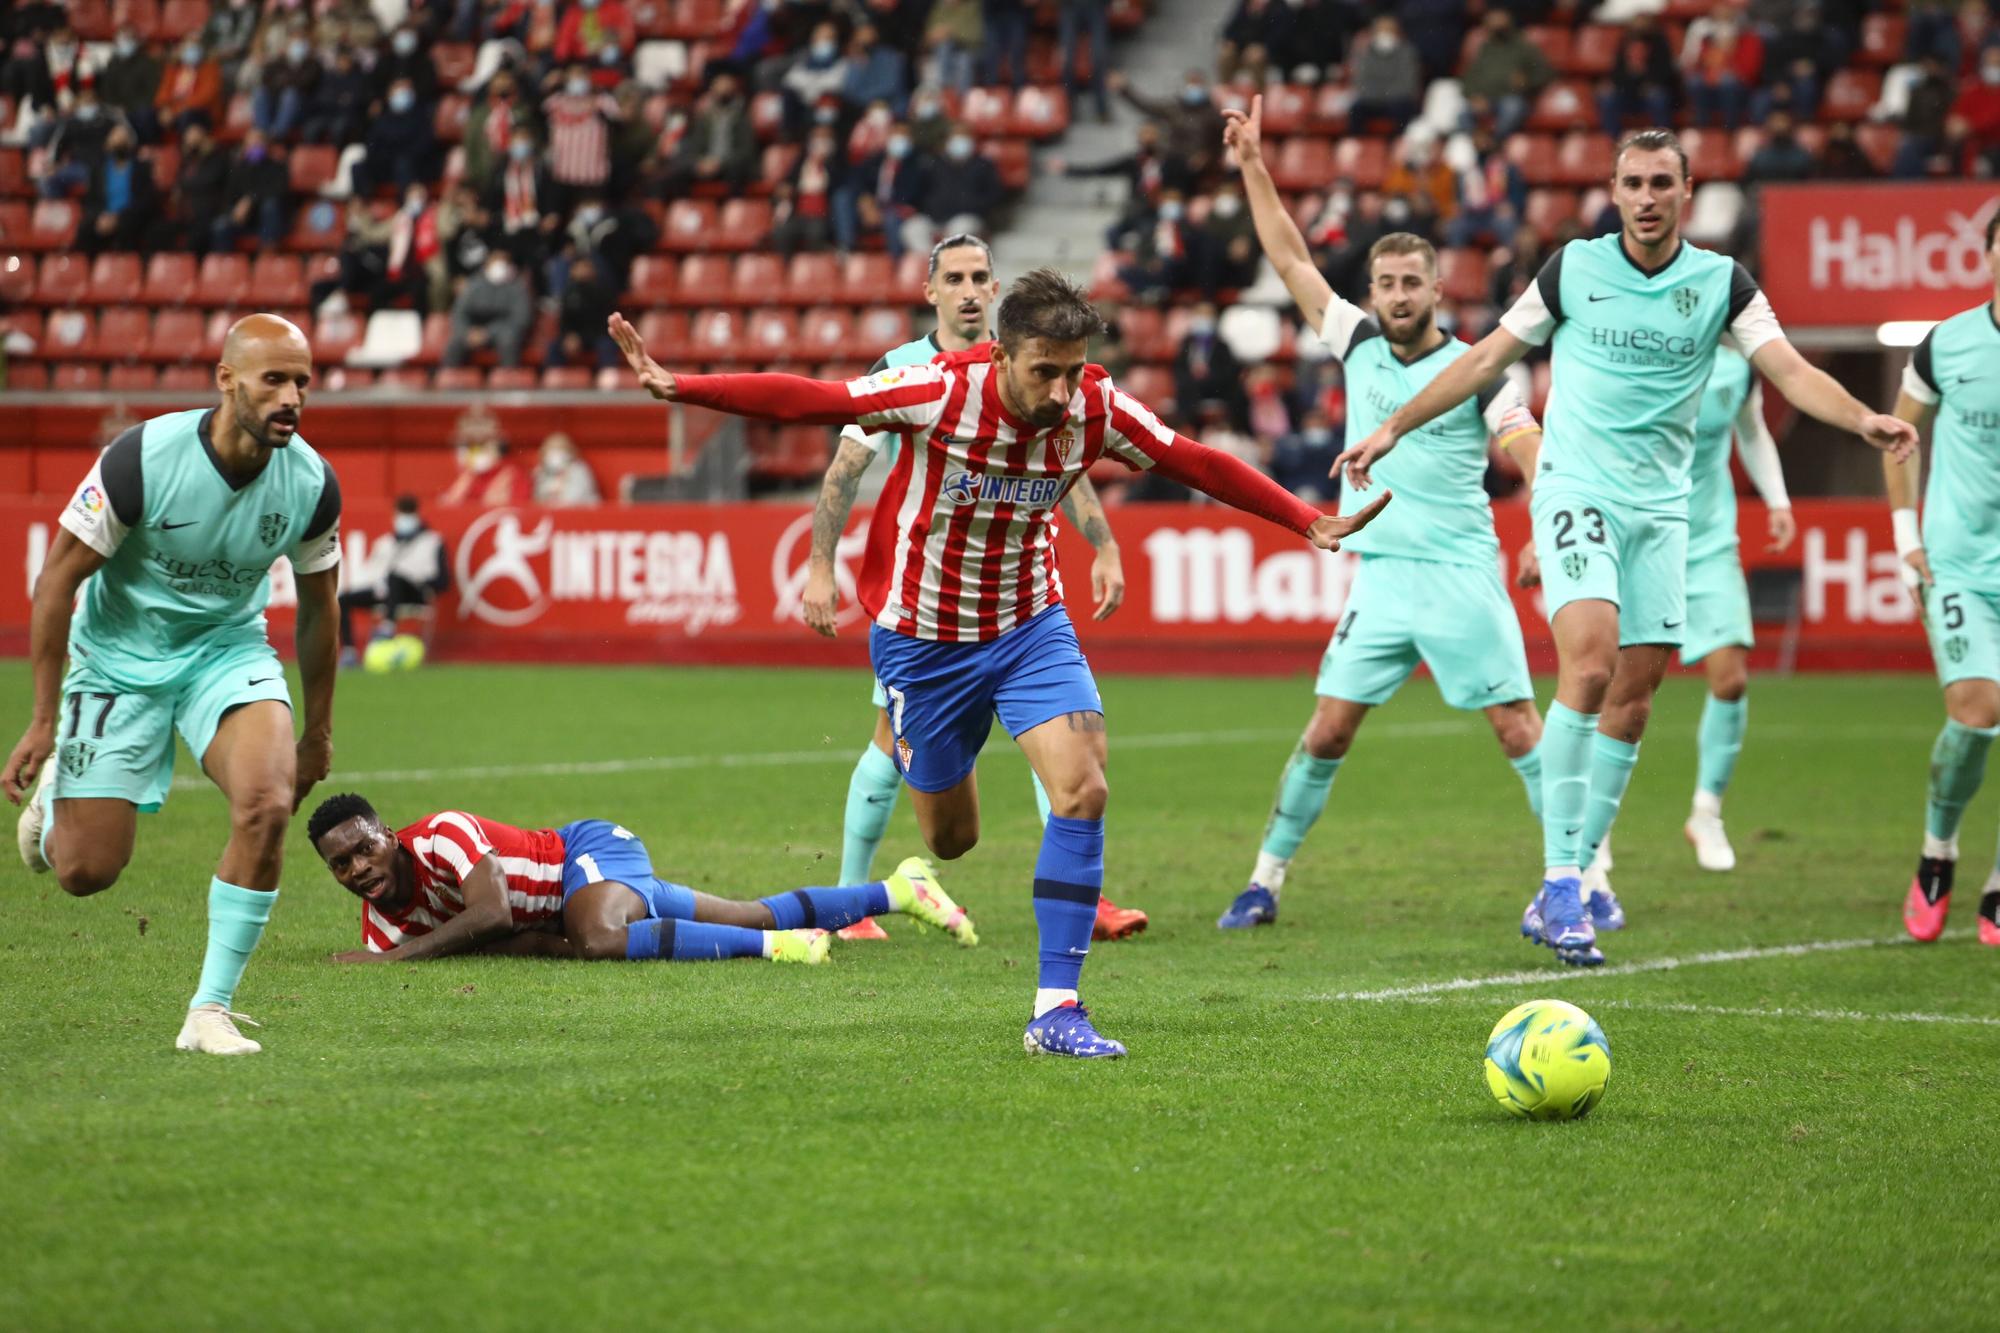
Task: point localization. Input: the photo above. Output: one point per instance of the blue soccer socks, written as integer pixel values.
(691, 941)
(1069, 878)
(827, 909)
(236, 920)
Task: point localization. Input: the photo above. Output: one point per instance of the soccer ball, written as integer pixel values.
(1547, 1060)
(404, 652)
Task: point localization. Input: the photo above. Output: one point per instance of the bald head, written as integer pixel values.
(265, 371)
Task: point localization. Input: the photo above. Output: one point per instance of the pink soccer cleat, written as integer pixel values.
(1929, 900)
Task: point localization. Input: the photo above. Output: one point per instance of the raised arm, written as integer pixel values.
(821, 603)
(69, 563)
(1107, 572)
(1455, 383)
(1276, 231)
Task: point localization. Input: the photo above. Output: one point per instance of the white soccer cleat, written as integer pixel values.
(28, 828)
(1597, 875)
(1711, 845)
(211, 1029)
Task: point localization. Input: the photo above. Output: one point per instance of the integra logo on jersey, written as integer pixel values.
(964, 488)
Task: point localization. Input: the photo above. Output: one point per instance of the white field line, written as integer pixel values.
(1160, 740)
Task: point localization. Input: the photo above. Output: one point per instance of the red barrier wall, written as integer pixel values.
(1208, 590)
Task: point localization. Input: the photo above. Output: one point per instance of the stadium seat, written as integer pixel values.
(190, 379)
(511, 379)
(1463, 274)
(1556, 41)
(334, 336)
(1563, 105)
(77, 377)
(392, 338)
(654, 279)
(1304, 164)
(660, 64)
(745, 224)
(277, 280)
(224, 281)
(713, 335)
(69, 335)
(132, 378)
(985, 111)
(767, 116)
(907, 282)
(1883, 39)
(666, 335)
(1144, 333)
(170, 279)
(812, 278)
(64, 280)
(705, 280)
(124, 332)
(1583, 159)
(826, 332)
(15, 231)
(1535, 156)
(865, 279)
(1287, 109)
(1850, 93)
(877, 330)
(17, 279)
(1151, 385)
(143, 15)
(91, 19)
(572, 378)
(690, 226)
(1329, 109)
(454, 62)
(1041, 114)
(1548, 210)
(1010, 158)
(453, 110)
(404, 379)
(1716, 212)
(176, 335)
(870, 133)
(779, 160)
(461, 379)
(790, 453)
(237, 119)
(27, 323)
(318, 226)
(757, 280)
(14, 174)
(1710, 156)
(312, 166)
(53, 225)
(25, 376)
(1593, 51)
(769, 336)
(1363, 161)
(215, 328)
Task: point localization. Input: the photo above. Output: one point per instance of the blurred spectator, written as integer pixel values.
(190, 91)
(490, 127)
(227, 35)
(401, 143)
(597, 33)
(1978, 105)
(956, 36)
(462, 243)
(635, 141)
(1723, 58)
(1437, 29)
(523, 202)
(1205, 370)
(803, 212)
(1491, 194)
(1419, 174)
(1930, 100)
(407, 570)
(494, 310)
(1256, 23)
(1270, 418)
(200, 185)
(129, 81)
(339, 106)
(579, 118)
(930, 123)
(407, 60)
(24, 75)
(364, 260)
(1781, 157)
(1227, 254)
(285, 89)
(1006, 42)
(1145, 169)
(612, 237)
(1322, 32)
(1218, 427)
(1302, 459)
(1797, 61)
(532, 23)
(253, 195)
(1840, 157)
(75, 143)
(884, 191)
(1514, 265)
(486, 476)
(587, 302)
(562, 479)
(1077, 20)
(1932, 31)
(1504, 75)
(1107, 348)
(815, 76)
(1387, 76)
(874, 73)
(1642, 79)
(719, 144)
(1193, 127)
(961, 189)
(121, 205)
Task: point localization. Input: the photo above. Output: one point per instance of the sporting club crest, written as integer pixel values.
(1574, 564)
(904, 753)
(1063, 444)
(1685, 300)
(270, 528)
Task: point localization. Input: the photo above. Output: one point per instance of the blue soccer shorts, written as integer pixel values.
(943, 696)
(596, 850)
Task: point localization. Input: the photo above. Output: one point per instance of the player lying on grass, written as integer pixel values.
(961, 583)
(456, 883)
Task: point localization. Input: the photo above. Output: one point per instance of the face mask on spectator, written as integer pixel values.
(1170, 211)
(191, 54)
(1385, 41)
(1201, 326)
(1989, 75)
(86, 111)
(415, 203)
(590, 215)
(298, 49)
(121, 150)
(607, 54)
(499, 269)
(924, 108)
(898, 145)
(824, 51)
(255, 153)
(1396, 210)
(1227, 205)
(1194, 94)
(825, 115)
(1318, 436)
(405, 43)
(577, 85)
(520, 150)
(959, 147)
(127, 47)
(401, 99)
(408, 525)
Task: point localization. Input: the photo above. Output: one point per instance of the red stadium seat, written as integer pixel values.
(216, 328)
(1041, 114)
(318, 226)
(706, 280)
(869, 134)
(826, 332)
(812, 278)
(1363, 161)
(769, 337)
(312, 166)
(666, 335)
(690, 226)
(745, 224)
(178, 18)
(1883, 37)
(1145, 335)
(912, 272)
(572, 378)
(1557, 43)
(132, 378)
(75, 377)
(1010, 159)
(1563, 105)
(224, 281)
(511, 379)
(1151, 385)
(779, 159)
(1583, 159)
(17, 279)
(124, 332)
(1304, 164)
(1535, 155)
(699, 18)
(14, 174)
(53, 226)
(190, 379)
(1879, 142)
(69, 335)
(27, 323)
(1710, 157)
(453, 110)
(713, 335)
(1850, 94)
(1463, 274)
(277, 280)
(14, 228)
(334, 336)
(461, 379)
(652, 18)
(404, 379)
(985, 111)
(757, 280)
(453, 62)
(141, 14)
(867, 278)
(25, 377)
(789, 454)
(1287, 109)
(1595, 50)
(1329, 110)
(1549, 209)
(436, 336)
(64, 280)
(170, 279)
(877, 330)
(176, 335)
(237, 119)
(91, 19)
(767, 116)
(653, 281)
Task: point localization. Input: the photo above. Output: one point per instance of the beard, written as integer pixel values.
(259, 429)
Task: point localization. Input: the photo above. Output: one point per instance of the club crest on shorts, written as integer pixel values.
(76, 757)
(1954, 648)
(1685, 299)
(904, 753)
(270, 528)
(1574, 564)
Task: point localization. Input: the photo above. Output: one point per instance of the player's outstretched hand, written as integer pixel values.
(1530, 567)
(1891, 434)
(25, 764)
(1784, 530)
(653, 378)
(1107, 581)
(314, 760)
(1363, 455)
(1328, 529)
(1245, 132)
(821, 602)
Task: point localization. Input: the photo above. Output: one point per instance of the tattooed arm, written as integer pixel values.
(1107, 571)
(830, 511)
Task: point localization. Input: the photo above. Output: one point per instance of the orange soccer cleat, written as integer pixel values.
(1115, 922)
(867, 928)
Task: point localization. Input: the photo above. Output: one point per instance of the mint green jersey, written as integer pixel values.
(1631, 351)
(1712, 490)
(188, 552)
(1956, 368)
(886, 444)
(1437, 472)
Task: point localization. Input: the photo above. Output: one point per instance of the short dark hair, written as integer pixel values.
(1649, 141)
(406, 504)
(335, 811)
(1403, 243)
(953, 242)
(1042, 303)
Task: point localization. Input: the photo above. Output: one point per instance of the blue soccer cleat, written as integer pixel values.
(1605, 911)
(1566, 926)
(1255, 906)
(1066, 1030)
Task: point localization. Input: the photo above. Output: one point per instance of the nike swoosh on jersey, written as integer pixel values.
(1672, 624)
(1606, 297)
(263, 680)
(169, 527)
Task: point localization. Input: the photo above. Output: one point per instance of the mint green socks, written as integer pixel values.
(236, 918)
(1719, 741)
(1567, 736)
(1611, 764)
(1958, 764)
(871, 799)
(1529, 766)
(1041, 796)
(1301, 796)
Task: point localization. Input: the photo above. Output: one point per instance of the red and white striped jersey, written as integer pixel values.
(962, 543)
(444, 848)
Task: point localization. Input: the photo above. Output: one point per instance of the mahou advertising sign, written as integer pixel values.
(1868, 254)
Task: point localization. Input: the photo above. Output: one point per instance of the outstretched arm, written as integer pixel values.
(1456, 383)
(1107, 571)
(1820, 395)
(1225, 477)
(821, 603)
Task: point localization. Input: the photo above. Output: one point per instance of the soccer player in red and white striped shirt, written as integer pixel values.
(455, 882)
(961, 582)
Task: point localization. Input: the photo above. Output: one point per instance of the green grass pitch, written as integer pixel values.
(1794, 1139)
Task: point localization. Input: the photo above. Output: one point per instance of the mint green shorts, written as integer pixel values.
(1964, 629)
(119, 743)
(1455, 619)
(1718, 603)
(1636, 559)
